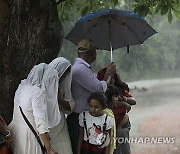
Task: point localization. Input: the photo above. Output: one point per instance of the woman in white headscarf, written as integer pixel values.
(29, 96)
(59, 134)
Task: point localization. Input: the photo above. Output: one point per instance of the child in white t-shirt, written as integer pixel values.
(95, 127)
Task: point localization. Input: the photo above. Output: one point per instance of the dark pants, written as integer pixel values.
(73, 127)
(123, 148)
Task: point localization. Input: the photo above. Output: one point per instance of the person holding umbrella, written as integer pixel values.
(84, 83)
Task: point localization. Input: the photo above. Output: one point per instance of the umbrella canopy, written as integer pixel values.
(111, 29)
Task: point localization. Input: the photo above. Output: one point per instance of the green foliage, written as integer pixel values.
(141, 7)
(151, 7)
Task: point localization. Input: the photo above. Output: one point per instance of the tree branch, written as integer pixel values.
(59, 1)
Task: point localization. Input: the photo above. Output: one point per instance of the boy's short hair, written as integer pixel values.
(100, 97)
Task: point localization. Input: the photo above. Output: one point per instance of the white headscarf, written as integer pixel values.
(33, 80)
(36, 74)
(61, 64)
(50, 85)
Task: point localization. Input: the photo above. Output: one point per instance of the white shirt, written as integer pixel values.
(94, 125)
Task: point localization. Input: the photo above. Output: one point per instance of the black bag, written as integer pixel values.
(33, 131)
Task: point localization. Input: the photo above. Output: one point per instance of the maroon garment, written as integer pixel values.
(119, 114)
(88, 148)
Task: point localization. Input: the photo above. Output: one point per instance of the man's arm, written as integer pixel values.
(110, 71)
(85, 77)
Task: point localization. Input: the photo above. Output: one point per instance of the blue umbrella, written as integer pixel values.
(111, 29)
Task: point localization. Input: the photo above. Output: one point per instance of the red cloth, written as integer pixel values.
(88, 148)
(5, 150)
(100, 74)
(119, 114)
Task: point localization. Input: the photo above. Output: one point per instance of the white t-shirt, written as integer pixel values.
(94, 125)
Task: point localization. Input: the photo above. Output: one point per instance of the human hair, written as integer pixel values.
(122, 86)
(111, 91)
(100, 97)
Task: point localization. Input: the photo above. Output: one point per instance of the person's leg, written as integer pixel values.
(123, 146)
(60, 140)
(73, 128)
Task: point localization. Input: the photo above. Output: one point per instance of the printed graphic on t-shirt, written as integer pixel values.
(94, 131)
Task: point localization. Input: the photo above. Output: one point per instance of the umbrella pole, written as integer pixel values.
(111, 55)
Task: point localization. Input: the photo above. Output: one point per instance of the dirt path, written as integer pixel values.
(156, 115)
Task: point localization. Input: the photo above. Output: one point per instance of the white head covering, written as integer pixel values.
(34, 81)
(61, 65)
(50, 85)
(36, 74)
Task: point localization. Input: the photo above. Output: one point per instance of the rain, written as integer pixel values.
(152, 71)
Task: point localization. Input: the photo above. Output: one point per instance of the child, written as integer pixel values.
(121, 100)
(93, 124)
(123, 125)
(118, 106)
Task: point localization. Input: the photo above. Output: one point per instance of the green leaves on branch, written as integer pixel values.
(141, 7)
(145, 7)
(177, 13)
(81, 7)
(169, 16)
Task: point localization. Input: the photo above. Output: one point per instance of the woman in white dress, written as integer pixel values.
(29, 96)
(59, 134)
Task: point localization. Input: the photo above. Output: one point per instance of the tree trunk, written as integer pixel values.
(34, 35)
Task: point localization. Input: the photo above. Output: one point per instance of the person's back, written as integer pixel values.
(84, 83)
(30, 108)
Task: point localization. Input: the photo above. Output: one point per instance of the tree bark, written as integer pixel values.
(34, 35)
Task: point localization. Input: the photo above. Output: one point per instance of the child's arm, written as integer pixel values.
(129, 100)
(108, 147)
(80, 139)
(119, 103)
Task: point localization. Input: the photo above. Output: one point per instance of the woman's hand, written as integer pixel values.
(9, 137)
(4, 130)
(62, 102)
(52, 152)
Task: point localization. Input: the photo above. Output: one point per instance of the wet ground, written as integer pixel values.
(156, 117)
